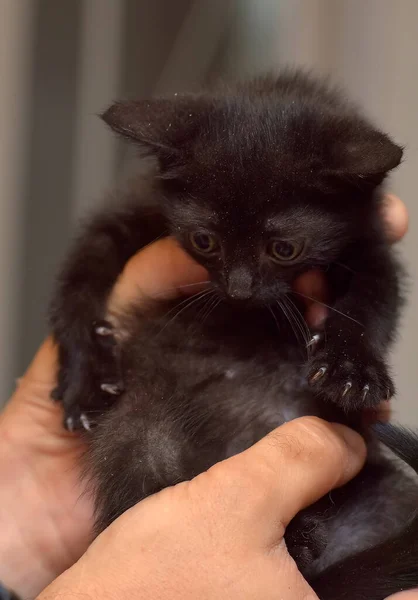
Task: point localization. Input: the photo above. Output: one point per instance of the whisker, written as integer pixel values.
(180, 287)
(202, 311)
(173, 308)
(343, 266)
(274, 317)
(329, 307)
(212, 308)
(285, 312)
(299, 319)
(192, 300)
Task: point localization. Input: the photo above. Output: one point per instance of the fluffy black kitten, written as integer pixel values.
(259, 182)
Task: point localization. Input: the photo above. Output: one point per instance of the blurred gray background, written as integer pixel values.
(63, 61)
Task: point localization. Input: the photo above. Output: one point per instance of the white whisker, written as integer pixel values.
(329, 307)
(192, 300)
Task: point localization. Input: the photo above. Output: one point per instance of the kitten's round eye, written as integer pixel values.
(283, 250)
(204, 242)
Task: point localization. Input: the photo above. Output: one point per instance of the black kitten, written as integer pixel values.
(259, 183)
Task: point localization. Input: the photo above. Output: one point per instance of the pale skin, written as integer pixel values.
(197, 539)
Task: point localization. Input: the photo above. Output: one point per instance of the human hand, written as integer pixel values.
(45, 520)
(221, 534)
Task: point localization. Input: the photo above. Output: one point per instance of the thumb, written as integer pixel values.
(291, 468)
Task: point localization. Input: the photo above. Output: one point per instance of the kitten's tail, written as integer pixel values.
(390, 567)
(401, 440)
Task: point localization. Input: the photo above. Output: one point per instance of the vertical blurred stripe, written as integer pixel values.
(47, 193)
(98, 84)
(15, 64)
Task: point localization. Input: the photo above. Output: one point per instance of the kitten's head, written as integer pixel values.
(263, 181)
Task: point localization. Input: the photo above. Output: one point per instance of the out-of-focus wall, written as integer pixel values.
(15, 38)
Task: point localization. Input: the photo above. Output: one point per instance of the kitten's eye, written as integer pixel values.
(284, 251)
(204, 242)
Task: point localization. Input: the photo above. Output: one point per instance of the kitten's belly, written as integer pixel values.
(189, 405)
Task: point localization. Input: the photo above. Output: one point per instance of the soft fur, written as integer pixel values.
(275, 160)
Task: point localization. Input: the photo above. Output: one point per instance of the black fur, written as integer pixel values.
(285, 159)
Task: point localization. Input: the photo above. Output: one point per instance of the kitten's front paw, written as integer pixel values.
(350, 376)
(89, 378)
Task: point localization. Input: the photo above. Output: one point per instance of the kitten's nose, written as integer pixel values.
(240, 284)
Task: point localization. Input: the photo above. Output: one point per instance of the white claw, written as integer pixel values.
(70, 424)
(103, 330)
(110, 388)
(85, 422)
(315, 339)
(347, 388)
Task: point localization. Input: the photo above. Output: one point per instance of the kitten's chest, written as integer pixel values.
(242, 370)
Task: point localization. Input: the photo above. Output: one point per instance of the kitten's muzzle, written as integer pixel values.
(239, 284)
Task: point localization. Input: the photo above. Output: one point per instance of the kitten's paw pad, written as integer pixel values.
(353, 383)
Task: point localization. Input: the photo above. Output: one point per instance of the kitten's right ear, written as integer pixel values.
(165, 127)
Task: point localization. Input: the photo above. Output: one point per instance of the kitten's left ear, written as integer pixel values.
(165, 127)
(366, 156)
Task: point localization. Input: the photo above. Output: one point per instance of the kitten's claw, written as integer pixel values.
(77, 422)
(111, 388)
(366, 390)
(103, 328)
(318, 375)
(69, 424)
(346, 388)
(84, 420)
(314, 340)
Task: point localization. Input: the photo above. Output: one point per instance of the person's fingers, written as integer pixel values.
(43, 368)
(31, 407)
(31, 399)
(161, 271)
(395, 216)
(292, 467)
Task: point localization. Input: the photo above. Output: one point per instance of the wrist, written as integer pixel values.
(33, 549)
(24, 565)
